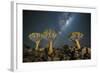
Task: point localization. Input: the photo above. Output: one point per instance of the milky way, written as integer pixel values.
(62, 22)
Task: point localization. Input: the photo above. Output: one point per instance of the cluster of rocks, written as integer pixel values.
(59, 54)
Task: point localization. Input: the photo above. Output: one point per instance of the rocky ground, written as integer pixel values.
(59, 54)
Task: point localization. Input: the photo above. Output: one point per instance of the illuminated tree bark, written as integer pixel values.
(36, 37)
(50, 35)
(37, 45)
(76, 36)
(50, 47)
(77, 44)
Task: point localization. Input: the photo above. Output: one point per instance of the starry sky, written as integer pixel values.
(62, 22)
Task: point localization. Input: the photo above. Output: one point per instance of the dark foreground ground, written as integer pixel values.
(59, 54)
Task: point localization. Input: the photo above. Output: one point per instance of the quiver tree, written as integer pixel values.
(76, 36)
(50, 35)
(36, 37)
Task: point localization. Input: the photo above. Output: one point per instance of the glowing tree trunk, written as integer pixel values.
(50, 35)
(76, 36)
(36, 37)
(37, 45)
(50, 47)
(77, 44)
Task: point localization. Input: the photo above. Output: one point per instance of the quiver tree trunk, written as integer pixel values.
(36, 37)
(37, 45)
(77, 44)
(76, 36)
(50, 51)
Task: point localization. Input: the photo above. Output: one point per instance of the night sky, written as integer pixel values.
(62, 22)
